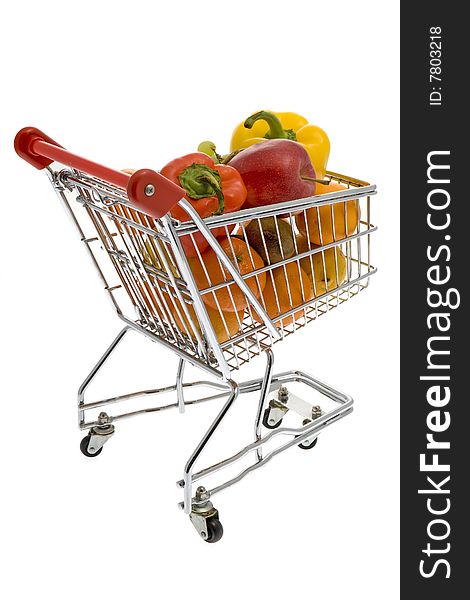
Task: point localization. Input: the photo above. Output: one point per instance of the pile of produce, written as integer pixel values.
(274, 158)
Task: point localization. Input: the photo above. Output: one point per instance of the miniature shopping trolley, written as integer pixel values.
(140, 254)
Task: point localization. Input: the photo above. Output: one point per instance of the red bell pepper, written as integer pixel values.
(210, 188)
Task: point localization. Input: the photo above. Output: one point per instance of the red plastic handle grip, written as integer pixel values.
(146, 189)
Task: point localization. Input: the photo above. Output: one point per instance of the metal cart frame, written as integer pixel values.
(136, 247)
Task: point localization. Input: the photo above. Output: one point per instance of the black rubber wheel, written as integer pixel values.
(266, 420)
(84, 447)
(308, 446)
(214, 529)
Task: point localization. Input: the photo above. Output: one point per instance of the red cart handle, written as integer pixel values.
(146, 189)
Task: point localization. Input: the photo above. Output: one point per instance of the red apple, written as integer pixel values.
(273, 172)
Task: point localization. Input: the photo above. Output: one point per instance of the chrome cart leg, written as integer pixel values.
(92, 444)
(179, 385)
(262, 399)
(200, 508)
(281, 399)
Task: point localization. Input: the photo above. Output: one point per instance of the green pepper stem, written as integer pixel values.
(226, 158)
(200, 181)
(276, 131)
(218, 192)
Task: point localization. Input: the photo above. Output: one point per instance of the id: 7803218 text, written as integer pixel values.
(435, 66)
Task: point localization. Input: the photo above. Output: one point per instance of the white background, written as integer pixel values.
(135, 84)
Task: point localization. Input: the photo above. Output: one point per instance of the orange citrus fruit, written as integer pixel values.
(230, 298)
(286, 288)
(333, 227)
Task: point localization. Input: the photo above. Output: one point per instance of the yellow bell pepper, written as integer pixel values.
(265, 125)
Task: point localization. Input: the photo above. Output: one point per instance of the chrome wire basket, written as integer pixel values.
(216, 291)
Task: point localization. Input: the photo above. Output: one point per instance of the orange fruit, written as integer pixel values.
(302, 246)
(331, 229)
(225, 324)
(230, 297)
(330, 263)
(286, 288)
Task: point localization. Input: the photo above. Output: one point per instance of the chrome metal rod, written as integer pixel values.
(296, 439)
(152, 409)
(155, 392)
(202, 444)
(253, 385)
(94, 371)
(179, 385)
(250, 386)
(283, 207)
(265, 387)
(301, 434)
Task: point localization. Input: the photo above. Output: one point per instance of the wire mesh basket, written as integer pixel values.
(319, 264)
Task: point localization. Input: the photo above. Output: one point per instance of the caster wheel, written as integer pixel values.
(215, 530)
(305, 446)
(84, 447)
(266, 422)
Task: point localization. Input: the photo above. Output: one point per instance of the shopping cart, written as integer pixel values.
(140, 253)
